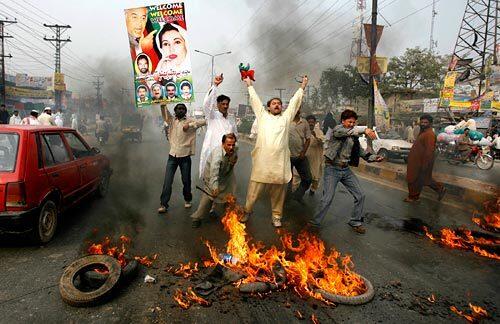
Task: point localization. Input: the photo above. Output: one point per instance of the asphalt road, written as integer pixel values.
(405, 268)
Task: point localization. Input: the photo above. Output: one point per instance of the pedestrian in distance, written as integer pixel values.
(15, 119)
(421, 162)
(32, 119)
(182, 137)
(46, 118)
(218, 177)
(4, 115)
(342, 149)
(271, 168)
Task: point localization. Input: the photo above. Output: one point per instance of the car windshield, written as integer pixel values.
(8, 151)
(389, 135)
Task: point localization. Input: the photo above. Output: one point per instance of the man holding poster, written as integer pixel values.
(159, 50)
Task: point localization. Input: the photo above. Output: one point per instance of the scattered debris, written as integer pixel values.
(149, 279)
(299, 315)
(314, 319)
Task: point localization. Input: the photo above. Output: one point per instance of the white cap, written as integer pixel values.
(47, 108)
(34, 110)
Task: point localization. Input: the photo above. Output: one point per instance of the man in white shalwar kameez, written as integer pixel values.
(218, 124)
(271, 167)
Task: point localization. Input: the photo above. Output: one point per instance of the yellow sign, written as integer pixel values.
(460, 104)
(59, 84)
(27, 93)
(449, 80)
(495, 105)
(363, 64)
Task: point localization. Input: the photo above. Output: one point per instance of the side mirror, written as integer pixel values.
(95, 150)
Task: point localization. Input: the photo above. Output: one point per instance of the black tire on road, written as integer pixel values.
(102, 189)
(95, 279)
(45, 222)
(75, 297)
(348, 300)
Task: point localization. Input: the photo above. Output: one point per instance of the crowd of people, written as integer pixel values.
(46, 118)
(286, 144)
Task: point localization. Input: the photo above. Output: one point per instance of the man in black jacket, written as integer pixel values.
(4, 115)
(342, 149)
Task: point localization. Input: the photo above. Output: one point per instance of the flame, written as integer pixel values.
(188, 298)
(491, 220)
(464, 240)
(184, 270)
(432, 298)
(477, 313)
(107, 247)
(314, 319)
(304, 266)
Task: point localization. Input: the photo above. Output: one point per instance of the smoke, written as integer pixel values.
(285, 49)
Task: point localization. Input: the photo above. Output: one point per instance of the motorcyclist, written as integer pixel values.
(464, 145)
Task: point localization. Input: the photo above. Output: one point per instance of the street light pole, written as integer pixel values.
(213, 61)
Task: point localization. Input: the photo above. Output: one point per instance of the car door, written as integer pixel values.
(60, 167)
(87, 164)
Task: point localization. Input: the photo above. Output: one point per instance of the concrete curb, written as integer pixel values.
(470, 191)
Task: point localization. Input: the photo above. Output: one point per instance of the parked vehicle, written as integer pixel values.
(389, 145)
(44, 171)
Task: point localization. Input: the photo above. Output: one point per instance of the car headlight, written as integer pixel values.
(395, 148)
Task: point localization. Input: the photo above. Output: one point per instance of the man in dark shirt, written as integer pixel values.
(342, 149)
(4, 115)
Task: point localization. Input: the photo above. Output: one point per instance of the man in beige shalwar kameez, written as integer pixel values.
(315, 153)
(271, 167)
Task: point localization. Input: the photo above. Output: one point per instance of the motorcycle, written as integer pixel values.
(478, 155)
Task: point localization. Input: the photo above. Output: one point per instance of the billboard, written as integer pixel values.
(159, 49)
(15, 92)
(27, 81)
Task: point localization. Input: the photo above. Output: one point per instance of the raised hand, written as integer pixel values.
(305, 80)
(248, 81)
(218, 79)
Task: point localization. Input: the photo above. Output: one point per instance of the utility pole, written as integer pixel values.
(98, 84)
(213, 61)
(58, 43)
(373, 51)
(432, 42)
(280, 90)
(3, 23)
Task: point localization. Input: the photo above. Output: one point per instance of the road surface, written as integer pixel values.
(405, 268)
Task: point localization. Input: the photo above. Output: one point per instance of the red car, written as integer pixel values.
(43, 171)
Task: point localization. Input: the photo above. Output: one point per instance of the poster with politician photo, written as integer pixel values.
(159, 49)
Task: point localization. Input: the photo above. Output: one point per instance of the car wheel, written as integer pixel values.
(383, 153)
(76, 297)
(102, 189)
(45, 222)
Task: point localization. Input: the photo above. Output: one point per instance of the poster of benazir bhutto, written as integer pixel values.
(159, 49)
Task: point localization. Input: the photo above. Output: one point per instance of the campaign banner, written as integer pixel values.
(15, 92)
(59, 84)
(36, 82)
(382, 116)
(159, 48)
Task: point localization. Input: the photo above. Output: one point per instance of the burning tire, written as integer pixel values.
(350, 300)
(96, 279)
(76, 297)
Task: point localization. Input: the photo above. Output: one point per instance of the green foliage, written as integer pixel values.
(416, 69)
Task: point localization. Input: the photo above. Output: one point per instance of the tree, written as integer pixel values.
(338, 85)
(416, 69)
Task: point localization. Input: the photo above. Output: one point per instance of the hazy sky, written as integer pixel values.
(281, 38)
